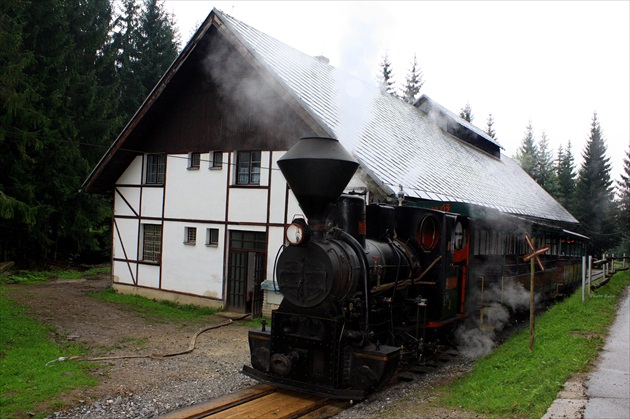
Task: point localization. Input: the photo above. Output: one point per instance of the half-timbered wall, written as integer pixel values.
(200, 198)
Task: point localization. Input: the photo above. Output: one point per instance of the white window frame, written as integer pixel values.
(209, 241)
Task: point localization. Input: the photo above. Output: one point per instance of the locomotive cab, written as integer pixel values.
(442, 242)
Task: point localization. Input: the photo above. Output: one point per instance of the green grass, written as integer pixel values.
(156, 310)
(512, 382)
(37, 276)
(26, 383)
(256, 323)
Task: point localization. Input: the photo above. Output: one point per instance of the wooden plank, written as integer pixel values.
(281, 404)
(221, 403)
(328, 411)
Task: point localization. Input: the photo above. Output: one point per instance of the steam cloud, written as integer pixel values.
(476, 337)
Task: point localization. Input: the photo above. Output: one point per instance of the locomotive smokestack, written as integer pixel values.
(317, 170)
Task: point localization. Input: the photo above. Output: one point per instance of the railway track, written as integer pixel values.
(262, 401)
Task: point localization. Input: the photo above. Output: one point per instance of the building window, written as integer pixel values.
(152, 242)
(248, 168)
(212, 237)
(191, 235)
(194, 160)
(156, 168)
(217, 160)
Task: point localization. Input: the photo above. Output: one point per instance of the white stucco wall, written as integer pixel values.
(195, 194)
(133, 174)
(130, 205)
(192, 268)
(125, 243)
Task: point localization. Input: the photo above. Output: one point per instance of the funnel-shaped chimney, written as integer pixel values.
(317, 170)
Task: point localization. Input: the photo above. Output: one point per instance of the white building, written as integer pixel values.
(200, 206)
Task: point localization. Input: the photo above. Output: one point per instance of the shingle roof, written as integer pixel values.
(397, 143)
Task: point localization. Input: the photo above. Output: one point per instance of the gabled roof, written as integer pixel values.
(431, 152)
(400, 144)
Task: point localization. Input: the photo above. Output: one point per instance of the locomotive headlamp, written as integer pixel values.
(297, 232)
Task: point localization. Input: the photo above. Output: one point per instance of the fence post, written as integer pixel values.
(590, 274)
(583, 275)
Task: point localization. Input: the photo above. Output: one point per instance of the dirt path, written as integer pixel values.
(112, 330)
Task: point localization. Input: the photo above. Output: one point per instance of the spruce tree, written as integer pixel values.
(413, 83)
(490, 128)
(623, 205)
(18, 114)
(158, 43)
(126, 44)
(566, 178)
(466, 113)
(546, 173)
(527, 153)
(50, 94)
(146, 42)
(386, 76)
(594, 195)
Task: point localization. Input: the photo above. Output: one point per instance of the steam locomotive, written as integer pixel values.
(366, 287)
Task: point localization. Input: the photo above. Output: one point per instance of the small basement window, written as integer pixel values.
(191, 235)
(212, 237)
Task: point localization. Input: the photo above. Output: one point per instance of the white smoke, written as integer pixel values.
(476, 337)
(355, 85)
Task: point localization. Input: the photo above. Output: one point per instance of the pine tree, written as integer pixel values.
(490, 128)
(594, 203)
(386, 76)
(94, 104)
(158, 43)
(18, 114)
(413, 83)
(466, 113)
(623, 217)
(547, 177)
(146, 43)
(126, 45)
(50, 94)
(566, 178)
(527, 153)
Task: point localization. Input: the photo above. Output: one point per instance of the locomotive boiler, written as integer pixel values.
(365, 286)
